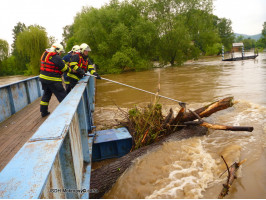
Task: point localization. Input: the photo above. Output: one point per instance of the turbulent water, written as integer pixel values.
(192, 168)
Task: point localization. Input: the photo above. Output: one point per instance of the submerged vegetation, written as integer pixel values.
(129, 36)
(146, 124)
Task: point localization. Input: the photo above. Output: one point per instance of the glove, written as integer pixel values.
(97, 75)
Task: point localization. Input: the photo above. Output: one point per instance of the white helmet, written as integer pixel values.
(75, 48)
(84, 47)
(57, 47)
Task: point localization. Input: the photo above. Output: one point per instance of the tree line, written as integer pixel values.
(129, 35)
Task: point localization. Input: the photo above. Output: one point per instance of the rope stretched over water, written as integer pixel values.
(182, 104)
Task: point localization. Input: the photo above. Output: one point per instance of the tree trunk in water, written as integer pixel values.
(206, 111)
(104, 178)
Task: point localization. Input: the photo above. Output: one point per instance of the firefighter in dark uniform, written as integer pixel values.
(81, 64)
(66, 60)
(52, 67)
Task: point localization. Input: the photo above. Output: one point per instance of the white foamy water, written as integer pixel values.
(189, 175)
(191, 168)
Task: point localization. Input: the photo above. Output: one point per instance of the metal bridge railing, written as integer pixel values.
(15, 96)
(56, 161)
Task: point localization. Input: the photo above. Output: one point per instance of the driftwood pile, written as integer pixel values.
(150, 129)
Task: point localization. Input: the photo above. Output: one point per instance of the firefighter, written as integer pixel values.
(52, 67)
(80, 63)
(66, 60)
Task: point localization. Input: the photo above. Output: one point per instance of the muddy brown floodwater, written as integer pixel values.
(4, 80)
(192, 168)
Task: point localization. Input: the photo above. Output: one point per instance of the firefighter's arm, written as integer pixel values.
(60, 64)
(91, 69)
(74, 65)
(93, 72)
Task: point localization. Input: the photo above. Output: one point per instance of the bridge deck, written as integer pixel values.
(18, 129)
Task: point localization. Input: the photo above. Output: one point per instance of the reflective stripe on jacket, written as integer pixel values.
(49, 78)
(76, 63)
(52, 67)
(47, 65)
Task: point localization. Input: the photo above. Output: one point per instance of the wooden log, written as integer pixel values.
(206, 111)
(227, 128)
(102, 179)
(221, 127)
(216, 126)
(230, 178)
(176, 120)
(179, 116)
(168, 119)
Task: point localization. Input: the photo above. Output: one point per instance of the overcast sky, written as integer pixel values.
(247, 16)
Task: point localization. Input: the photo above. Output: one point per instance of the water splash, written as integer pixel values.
(192, 168)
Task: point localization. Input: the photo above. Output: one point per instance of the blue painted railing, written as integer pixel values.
(56, 161)
(15, 96)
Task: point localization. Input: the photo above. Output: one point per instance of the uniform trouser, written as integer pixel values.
(54, 87)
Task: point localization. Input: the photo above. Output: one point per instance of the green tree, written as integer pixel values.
(260, 44)
(67, 34)
(249, 43)
(20, 60)
(202, 30)
(240, 38)
(112, 32)
(4, 48)
(127, 35)
(51, 40)
(70, 43)
(178, 24)
(7, 66)
(225, 32)
(174, 44)
(263, 32)
(20, 27)
(32, 42)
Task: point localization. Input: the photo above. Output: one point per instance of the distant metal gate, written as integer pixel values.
(56, 161)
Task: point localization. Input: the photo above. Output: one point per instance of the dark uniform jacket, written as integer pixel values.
(52, 67)
(81, 65)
